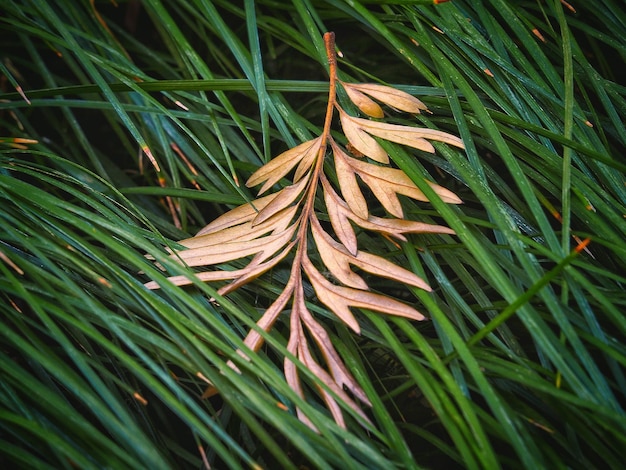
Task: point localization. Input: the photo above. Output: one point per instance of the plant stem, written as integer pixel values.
(307, 211)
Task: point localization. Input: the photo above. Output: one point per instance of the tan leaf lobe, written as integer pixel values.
(392, 97)
(365, 104)
(276, 169)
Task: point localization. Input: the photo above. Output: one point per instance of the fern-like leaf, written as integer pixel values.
(271, 227)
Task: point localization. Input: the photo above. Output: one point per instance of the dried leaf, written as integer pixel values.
(330, 355)
(361, 140)
(283, 199)
(358, 132)
(386, 194)
(242, 276)
(337, 213)
(238, 215)
(382, 267)
(340, 215)
(291, 372)
(254, 340)
(325, 291)
(411, 136)
(338, 369)
(339, 299)
(337, 259)
(278, 167)
(241, 232)
(304, 354)
(364, 103)
(348, 183)
(393, 97)
(306, 163)
(385, 182)
(210, 276)
(269, 228)
(229, 251)
(254, 269)
(397, 227)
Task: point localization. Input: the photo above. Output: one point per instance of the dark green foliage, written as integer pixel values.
(522, 363)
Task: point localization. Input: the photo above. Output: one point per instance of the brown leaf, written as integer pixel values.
(306, 163)
(238, 215)
(340, 373)
(339, 299)
(241, 276)
(241, 232)
(337, 259)
(205, 277)
(324, 290)
(254, 269)
(348, 183)
(265, 233)
(296, 335)
(337, 213)
(254, 340)
(397, 227)
(304, 354)
(411, 136)
(385, 182)
(278, 167)
(382, 267)
(283, 199)
(340, 215)
(390, 96)
(364, 103)
(229, 251)
(361, 140)
(386, 193)
(358, 132)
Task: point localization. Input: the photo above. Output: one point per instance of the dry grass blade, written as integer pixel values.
(271, 227)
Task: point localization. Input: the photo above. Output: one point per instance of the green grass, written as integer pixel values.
(522, 361)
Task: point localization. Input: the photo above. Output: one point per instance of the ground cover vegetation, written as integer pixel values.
(230, 238)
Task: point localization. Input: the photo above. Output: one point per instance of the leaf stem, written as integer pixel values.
(307, 211)
(329, 42)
